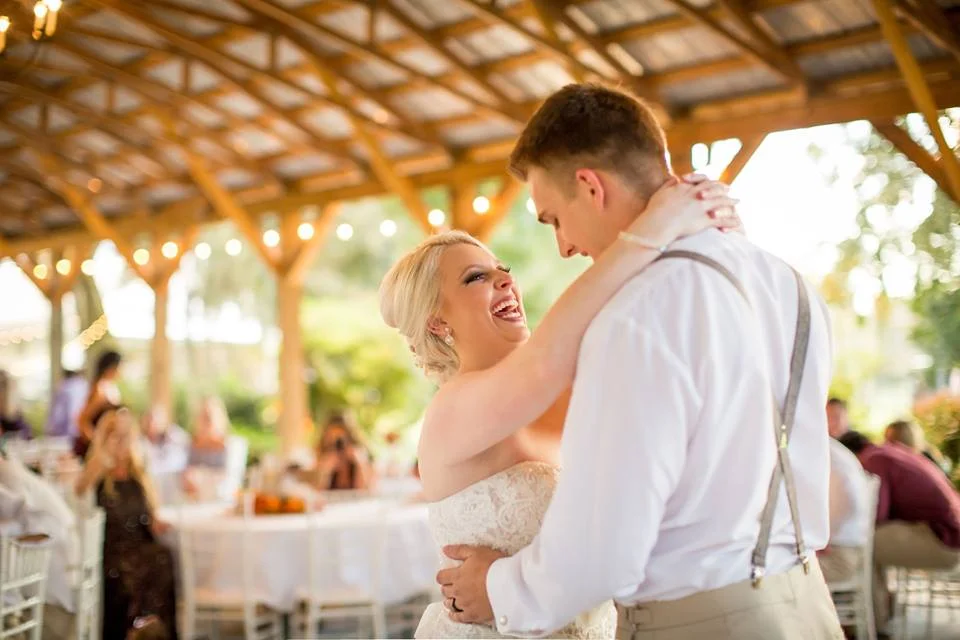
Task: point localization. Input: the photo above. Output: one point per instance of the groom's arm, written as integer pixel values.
(624, 447)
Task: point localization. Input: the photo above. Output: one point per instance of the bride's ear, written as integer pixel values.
(438, 327)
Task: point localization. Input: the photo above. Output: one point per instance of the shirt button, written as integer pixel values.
(503, 621)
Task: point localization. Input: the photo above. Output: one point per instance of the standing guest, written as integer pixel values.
(138, 579)
(838, 421)
(68, 401)
(103, 392)
(918, 514)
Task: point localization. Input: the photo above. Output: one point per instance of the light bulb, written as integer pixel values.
(86, 267)
(54, 5)
(170, 250)
(63, 266)
(388, 228)
(141, 256)
(305, 231)
(481, 205)
(436, 217)
(94, 184)
(202, 251)
(233, 247)
(271, 237)
(40, 271)
(4, 24)
(344, 231)
(40, 10)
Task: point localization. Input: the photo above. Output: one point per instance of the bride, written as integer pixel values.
(489, 446)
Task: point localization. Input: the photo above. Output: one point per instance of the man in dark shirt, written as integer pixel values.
(918, 513)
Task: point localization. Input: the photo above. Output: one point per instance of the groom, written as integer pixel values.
(677, 497)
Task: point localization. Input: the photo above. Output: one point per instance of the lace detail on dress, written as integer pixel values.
(504, 511)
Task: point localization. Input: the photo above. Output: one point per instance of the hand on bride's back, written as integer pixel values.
(684, 207)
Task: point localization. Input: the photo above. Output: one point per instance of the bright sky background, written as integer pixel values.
(786, 204)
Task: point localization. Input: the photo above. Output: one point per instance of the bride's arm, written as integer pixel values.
(476, 410)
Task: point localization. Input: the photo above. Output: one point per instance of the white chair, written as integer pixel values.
(853, 598)
(24, 565)
(336, 588)
(88, 573)
(238, 449)
(199, 554)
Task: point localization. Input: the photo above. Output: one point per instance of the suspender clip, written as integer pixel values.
(805, 561)
(756, 577)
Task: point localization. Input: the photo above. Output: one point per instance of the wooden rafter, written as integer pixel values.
(925, 161)
(295, 19)
(930, 18)
(748, 146)
(297, 259)
(548, 19)
(782, 66)
(225, 65)
(918, 87)
(741, 14)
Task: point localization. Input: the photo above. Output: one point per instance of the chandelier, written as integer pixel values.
(45, 14)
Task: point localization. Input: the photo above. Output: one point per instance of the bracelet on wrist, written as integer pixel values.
(643, 242)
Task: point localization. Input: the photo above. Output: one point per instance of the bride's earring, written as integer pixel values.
(448, 339)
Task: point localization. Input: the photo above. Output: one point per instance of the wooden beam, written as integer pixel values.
(919, 156)
(919, 89)
(500, 207)
(749, 146)
(742, 16)
(27, 264)
(782, 67)
(930, 18)
(298, 261)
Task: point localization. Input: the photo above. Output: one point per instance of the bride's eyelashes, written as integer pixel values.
(480, 275)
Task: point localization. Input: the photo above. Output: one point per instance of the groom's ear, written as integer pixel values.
(591, 185)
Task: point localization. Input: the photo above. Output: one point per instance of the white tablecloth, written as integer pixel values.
(280, 570)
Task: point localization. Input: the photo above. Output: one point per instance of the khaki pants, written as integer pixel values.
(840, 564)
(911, 545)
(790, 606)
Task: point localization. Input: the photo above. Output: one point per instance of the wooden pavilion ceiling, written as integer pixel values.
(146, 112)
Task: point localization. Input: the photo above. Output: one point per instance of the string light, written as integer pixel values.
(86, 267)
(233, 247)
(170, 250)
(91, 335)
(141, 257)
(4, 27)
(344, 232)
(481, 205)
(94, 184)
(388, 228)
(40, 271)
(531, 207)
(436, 217)
(63, 266)
(271, 237)
(305, 231)
(202, 251)
(20, 334)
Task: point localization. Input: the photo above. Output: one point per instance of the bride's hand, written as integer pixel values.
(681, 208)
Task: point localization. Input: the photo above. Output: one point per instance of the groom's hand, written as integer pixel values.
(465, 587)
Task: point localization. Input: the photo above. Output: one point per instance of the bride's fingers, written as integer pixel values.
(719, 204)
(694, 178)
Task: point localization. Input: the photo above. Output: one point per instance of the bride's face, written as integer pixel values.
(481, 305)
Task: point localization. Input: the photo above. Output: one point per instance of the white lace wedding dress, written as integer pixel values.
(505, 512)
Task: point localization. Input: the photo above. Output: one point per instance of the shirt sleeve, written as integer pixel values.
(624, 447)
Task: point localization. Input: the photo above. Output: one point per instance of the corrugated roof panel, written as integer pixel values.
(609, 15)
(375, 74)
(423, 60)
(298, 166)
(330, 122)
(283, 96)
(230, 10)
(679, 48)
(254, 50)
(125, 100)
(255, 142)
(239, 104)
(863, 58)
(117, 54)
(809, 20)
(169, 73)
(60, 119)
(465, 135)
(434, 14)
(109, 23)
(399, 146)
(202, 78)
(495, 43)
(538, 80)
(162, 194)
(430, 104)
(717, 87)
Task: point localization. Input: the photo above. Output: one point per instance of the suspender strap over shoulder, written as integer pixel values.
(783, 419)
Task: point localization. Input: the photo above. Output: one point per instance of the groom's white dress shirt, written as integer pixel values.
(668, 445)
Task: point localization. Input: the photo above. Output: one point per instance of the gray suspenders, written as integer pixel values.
(783, 420)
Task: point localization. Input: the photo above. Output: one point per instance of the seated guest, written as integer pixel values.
(918, 513)
(342, 462)
(37, 508)
(138, 578)
(838, 420)
(166, 446)
(103, 393)
(12, 421)
(849, 520)
(68, 401)
(911, 435)
(207, 457)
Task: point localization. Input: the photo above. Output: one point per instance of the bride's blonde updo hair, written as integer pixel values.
(410, 296)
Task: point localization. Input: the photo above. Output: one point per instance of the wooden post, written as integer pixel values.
(918, 88)
(681, 160)
(56, 341)
(161, 394)
(749, 146)
(293, 390)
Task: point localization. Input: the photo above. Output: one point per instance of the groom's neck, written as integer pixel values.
(638, 200)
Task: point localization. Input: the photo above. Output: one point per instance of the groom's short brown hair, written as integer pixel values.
(589, 125)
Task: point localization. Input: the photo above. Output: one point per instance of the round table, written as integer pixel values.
(280, 543)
